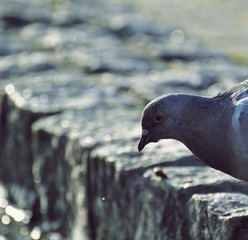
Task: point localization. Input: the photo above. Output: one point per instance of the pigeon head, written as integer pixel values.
(161, 119)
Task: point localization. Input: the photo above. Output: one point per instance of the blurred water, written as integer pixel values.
(219, 23)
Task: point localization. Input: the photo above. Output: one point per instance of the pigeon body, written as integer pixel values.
(215, 128)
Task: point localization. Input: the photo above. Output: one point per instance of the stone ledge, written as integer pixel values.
(218, 216)
(182, 184)
(115, 158)
(54, 142)
(78, 81)
(68, 147)
(93, 171)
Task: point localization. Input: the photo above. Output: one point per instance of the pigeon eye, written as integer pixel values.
(158, 118)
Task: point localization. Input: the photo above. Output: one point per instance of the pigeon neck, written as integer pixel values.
(200, 116)
(203, 128)
(198, 111)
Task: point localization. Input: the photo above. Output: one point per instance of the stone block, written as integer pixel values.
(220, 216)
(32, 99)
(62, 145)
(180, 184)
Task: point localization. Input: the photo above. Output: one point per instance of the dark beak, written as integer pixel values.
(142, 143)
(143, 140)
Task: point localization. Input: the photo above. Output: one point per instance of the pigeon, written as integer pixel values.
(214, 129)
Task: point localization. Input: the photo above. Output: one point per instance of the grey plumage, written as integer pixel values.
(215, 128)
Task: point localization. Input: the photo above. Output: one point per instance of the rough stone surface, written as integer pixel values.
(67, 141)
(218, 216)
(74, 79)
(181, 184)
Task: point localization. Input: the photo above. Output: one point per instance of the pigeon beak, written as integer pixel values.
(143, 139)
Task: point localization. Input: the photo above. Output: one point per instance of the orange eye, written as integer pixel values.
(158, 118)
